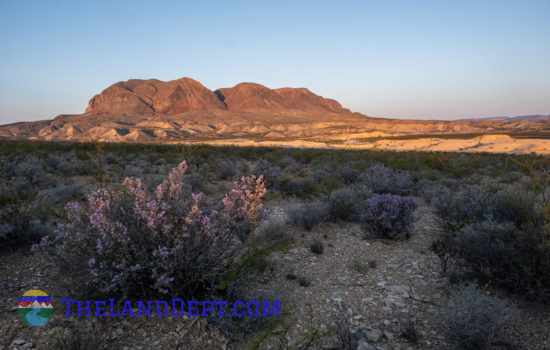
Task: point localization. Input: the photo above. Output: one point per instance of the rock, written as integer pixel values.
(403, 291)
(374, 335)
(388, 335)
(118, 332)
(278, 330)
(363, 345)
(330, 347)
(18, 342)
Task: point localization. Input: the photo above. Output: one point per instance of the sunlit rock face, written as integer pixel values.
(184, 110)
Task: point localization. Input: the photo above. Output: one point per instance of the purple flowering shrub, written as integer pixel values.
(170, 241)
(388, 216)
(381, 179)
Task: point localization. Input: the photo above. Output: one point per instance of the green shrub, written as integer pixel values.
(342, 203)
(500, 252)
(307, 215)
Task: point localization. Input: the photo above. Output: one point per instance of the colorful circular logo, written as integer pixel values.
(35, 307)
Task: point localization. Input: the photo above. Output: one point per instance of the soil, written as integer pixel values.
(399, 283)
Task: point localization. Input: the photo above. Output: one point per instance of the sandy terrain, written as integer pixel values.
(486, 143)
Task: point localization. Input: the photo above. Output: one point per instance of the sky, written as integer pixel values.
(407, 59)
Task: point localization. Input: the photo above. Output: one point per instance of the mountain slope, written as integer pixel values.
(139, 97)
(184, 110)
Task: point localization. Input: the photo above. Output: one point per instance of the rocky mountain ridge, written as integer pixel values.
(184, 111)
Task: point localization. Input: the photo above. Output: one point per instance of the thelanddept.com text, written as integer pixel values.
(174, 307)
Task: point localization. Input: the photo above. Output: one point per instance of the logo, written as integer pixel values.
(35, 307)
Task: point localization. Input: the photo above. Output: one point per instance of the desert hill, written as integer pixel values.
(184, 110)
(149, 97)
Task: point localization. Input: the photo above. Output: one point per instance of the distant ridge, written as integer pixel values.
(521, 117)
(185, 111)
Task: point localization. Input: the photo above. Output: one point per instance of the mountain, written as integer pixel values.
(149, 97)
(521, 117)
(184, 110)
(251, 96)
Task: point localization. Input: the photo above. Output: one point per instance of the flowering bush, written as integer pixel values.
(388, 216)
(382, 179)
(171, 241)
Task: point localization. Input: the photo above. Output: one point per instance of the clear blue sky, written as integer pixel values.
(415, 59)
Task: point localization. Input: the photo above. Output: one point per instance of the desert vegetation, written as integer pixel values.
(130, 221)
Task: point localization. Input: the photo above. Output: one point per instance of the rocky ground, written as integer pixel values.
(382, 288)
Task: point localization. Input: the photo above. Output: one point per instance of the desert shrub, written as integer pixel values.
(238, 327)
(53, 161)
(78, 337)
(20, 226)
(307, 215)
(273, 227)
(226, 169)
(381, 179)
(467, 203)
(298, 186)
(287, 161)
(317, 247)
(171, 241)
(158, 162)
(269, 172)
(348, 175)
(110, 158)
(429, 190)
(27, 174)
(410, 333)
(359, 266)
(500, 252)
(143, 164)
(63, 193)
(345, 338)
(67, 164)
(320, 172)
(132, 171)
(475, 321)
(519, 206)
(388, 216)
(343, 203)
